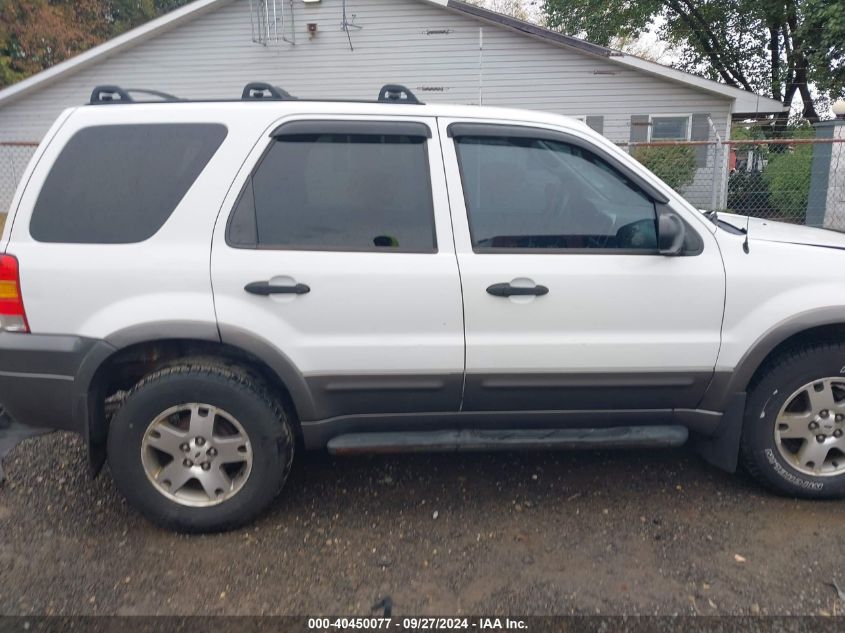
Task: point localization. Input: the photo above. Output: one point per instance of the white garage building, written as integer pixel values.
(444, 50)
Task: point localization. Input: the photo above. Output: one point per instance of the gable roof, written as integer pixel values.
(127, 40)
(744, 102)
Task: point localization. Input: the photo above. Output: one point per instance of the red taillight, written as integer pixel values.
(12, 314)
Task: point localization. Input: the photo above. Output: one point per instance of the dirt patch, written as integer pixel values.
(532, 533)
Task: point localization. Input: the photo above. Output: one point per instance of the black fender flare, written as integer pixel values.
(727, 390)
(88, 412)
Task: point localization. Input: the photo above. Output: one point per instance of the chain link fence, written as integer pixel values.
(798, 180)
(14, 157)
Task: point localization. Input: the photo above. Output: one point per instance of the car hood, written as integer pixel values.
(772, 231)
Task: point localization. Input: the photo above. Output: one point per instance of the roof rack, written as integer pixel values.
(395, 93)
(116, 94)
(261, 90)
(253, 91)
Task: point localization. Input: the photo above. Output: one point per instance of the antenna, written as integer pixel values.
(292, 39)
(264, 21)
(747, 225)
(345, 25)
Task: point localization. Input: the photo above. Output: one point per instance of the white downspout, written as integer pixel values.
(480, 65)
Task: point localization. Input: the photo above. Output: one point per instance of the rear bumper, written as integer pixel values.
(43, 381)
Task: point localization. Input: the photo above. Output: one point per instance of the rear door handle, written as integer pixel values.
(265, 288)
(507, 290)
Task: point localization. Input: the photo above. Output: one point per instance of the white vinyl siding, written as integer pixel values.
(432, 50)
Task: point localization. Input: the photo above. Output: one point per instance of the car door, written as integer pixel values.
(338, 256)
(568, 305)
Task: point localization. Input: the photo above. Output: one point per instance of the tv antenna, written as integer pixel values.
(346, 25)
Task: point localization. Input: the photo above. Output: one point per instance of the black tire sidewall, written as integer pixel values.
(266, 427)
(765, 401)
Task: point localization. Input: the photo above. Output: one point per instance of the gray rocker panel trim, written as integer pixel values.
(568, 391)
(348, 395)
(351, 395)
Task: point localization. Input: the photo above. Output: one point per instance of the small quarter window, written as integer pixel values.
(118, 184)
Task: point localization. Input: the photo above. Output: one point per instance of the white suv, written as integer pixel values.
(197, 287)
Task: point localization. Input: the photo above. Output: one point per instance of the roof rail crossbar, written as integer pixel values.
(164, 96)
(109, 94)
(395, 93)
(261, 90)
(116, 94)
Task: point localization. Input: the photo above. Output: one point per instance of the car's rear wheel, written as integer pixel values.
(200, 448)
(794, 433)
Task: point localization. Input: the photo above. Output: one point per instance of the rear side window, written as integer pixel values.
(119, 184)
(339, 192)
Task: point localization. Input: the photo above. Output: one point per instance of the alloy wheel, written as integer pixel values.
(196, 454)
(810, 427)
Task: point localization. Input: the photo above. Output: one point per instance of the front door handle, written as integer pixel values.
(507, 290)
(265, 288)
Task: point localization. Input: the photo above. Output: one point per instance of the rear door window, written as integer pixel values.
(357, 186)
(118, 184)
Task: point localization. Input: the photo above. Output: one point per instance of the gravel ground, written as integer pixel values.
(656, 532)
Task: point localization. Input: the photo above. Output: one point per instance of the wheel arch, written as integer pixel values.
(813, 326)
(728, 390)
(118, 362)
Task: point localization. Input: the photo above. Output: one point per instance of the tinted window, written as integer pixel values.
(118, 184)
(345, 192)
(540, 194)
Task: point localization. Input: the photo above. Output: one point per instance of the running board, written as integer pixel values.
(521, 439)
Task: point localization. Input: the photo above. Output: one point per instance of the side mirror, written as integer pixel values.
(671, 233)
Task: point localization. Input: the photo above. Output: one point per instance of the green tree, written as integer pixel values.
(776, 183)
(787, 175)
(774, 46)
(824, 24)
(673, 164)
(513, 8)
(36, 34)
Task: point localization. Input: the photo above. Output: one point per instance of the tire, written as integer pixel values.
(219, 482)
(780, 446)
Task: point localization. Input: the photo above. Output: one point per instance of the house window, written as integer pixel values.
(670, 128)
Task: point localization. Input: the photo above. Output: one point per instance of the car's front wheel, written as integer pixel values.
(200, 448)
(793, 438)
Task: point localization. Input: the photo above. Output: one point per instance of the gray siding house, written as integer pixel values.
(443, 50)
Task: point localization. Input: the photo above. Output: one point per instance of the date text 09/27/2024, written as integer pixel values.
(416, 623)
